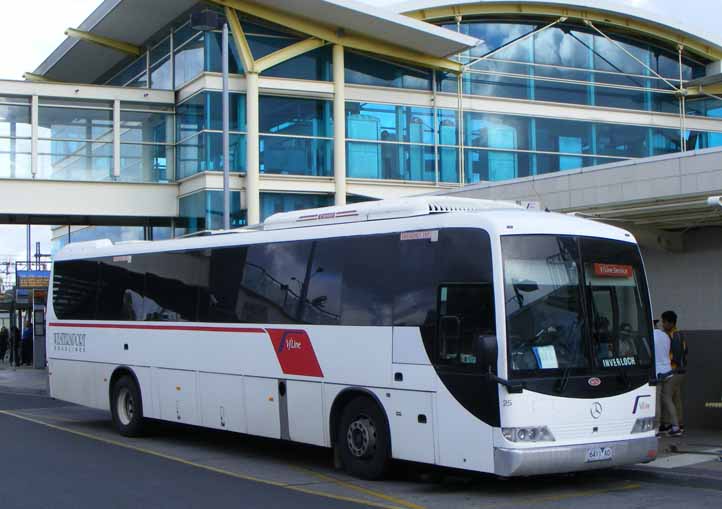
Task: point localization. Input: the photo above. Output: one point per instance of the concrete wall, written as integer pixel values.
(690, 283)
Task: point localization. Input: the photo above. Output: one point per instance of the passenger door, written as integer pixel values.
(466, 312)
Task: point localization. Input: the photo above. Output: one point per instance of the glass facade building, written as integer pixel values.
(532, 99)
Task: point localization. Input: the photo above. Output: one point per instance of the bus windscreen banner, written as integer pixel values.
(611, 270)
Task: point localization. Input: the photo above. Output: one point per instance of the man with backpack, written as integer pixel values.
(678, 357)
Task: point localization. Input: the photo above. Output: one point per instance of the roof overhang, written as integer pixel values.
(376, 23)
(619, 13)
(132, 21)
(135, 21)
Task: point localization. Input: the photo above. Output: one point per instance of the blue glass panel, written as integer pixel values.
(272, 203)
(204, 211)
(496, 131)
(388, 122)
(296, 156)
(390, 161)
(448, 127)
(75, 160)
(485, 165)
(553, 91)
(265, 45)
(183, 34)
(189, 60)
(446, 82)
(145, 127)
(15, 120)
(15, 158)
(550, 163)
(75, 123)
(204, 152)
(160, 51)
(286, 115)
(556, 135)
(314, 65)
(496, 34)
(666, 141)
(493, 85)
(146, 163)
(214, 54)
(621, 98)
(204, 111)
(130, 72)
(448, 164)
(362, 69)
(160, 77)
(622, 140)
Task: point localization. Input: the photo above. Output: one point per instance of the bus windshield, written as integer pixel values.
(574, 303)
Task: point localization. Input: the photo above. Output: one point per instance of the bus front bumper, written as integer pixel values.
(571, 458)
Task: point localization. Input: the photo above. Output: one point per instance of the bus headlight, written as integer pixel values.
(643, 425)
(528, 434)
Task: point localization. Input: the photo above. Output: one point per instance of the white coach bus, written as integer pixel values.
(464, 333)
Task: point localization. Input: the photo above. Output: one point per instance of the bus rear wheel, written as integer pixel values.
(362, 439)
(126, 407)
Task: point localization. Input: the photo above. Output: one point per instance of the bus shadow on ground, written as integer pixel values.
(420, 478)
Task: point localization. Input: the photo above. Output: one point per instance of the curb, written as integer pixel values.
(690, 480)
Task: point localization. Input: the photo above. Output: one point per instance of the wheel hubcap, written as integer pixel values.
(361, 437)
(125, 406)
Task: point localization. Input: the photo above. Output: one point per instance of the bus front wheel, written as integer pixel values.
(362, 439)
(126, 407)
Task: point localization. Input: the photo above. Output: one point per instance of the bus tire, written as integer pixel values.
(126, 407)
(362, 439)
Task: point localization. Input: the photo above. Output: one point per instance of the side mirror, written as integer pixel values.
(487, 352)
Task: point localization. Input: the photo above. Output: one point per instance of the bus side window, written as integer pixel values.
(466, 311)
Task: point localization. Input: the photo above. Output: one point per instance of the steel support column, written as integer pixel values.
(253, 197)
(339, 125)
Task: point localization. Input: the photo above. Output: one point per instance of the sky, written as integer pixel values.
(49, 19)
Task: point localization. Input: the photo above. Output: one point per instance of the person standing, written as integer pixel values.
(4, 340)
(14, 345)
(663, 372)
(27, 340)
(678, 357)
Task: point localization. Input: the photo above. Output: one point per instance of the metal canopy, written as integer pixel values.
(135, 21)
(377, 23)
(132, 21)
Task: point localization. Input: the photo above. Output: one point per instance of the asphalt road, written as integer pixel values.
(57, 455)
(48, 467)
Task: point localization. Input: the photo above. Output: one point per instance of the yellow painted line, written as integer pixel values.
(383, 496)
(565, 496)
(199, 465)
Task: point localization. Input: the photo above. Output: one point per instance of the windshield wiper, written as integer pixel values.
(564, 380)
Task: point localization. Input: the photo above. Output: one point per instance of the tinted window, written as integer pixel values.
(75, 289)
(120, 290)
(322, 283)
(219, 299)
(172, 285)
(369, 279)
(272, 283)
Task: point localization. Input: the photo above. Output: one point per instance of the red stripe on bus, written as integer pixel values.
(156, 327)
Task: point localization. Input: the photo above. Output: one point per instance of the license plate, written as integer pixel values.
(599, 454)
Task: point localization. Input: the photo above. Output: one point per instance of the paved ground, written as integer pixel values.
(79, 461)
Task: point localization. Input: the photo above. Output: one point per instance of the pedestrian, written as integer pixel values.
(27, 344)
(4, 340)
(678, 356)
(14, 345)
(663, 371)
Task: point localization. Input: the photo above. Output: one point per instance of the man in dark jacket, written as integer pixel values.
(4, 340)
